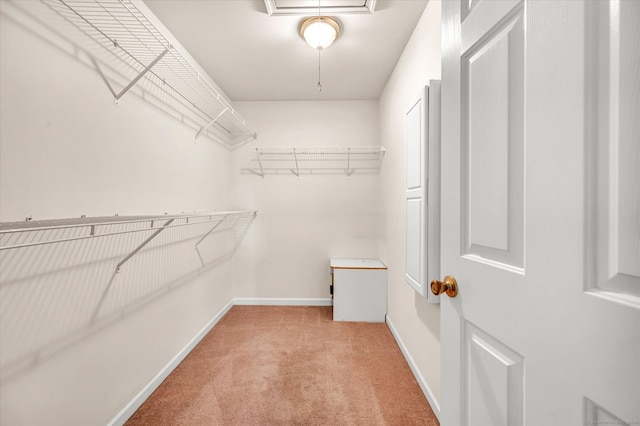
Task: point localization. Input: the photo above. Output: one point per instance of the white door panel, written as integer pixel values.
(414, 136)
(494, 381)
(492, 139)
(541, 212)
(612, 267)
(413, 241)
(614, 147)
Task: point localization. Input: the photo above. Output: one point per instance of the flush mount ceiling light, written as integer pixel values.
(319, 31)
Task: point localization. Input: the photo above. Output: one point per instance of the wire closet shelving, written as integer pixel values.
(17, 235)
(61, 280)
(130, 47)
(345, 160)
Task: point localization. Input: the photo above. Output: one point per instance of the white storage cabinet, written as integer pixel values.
(359, 290)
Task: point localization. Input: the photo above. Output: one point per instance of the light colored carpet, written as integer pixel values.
(289, 365)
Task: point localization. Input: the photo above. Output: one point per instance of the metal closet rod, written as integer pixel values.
(166, 219)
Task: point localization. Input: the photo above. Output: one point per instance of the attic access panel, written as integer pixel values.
(310, 7)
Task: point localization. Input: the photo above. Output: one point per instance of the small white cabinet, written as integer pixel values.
(359, 290)
(422, 195)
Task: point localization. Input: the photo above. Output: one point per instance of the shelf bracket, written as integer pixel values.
(295, 159)
(254, 172)
(260, 163)
(94, 316)
(117, 96)
(206, 235)
(139, 76)
(144, 243)
(348, 171)
(211, 123)
(247, 139)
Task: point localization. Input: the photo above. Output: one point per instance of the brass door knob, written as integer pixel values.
(449, 286)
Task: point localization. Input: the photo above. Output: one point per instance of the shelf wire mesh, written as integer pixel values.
(316, 160)
(120, 36)
(60, 280)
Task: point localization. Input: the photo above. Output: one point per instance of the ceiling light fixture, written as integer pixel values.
(319, 32)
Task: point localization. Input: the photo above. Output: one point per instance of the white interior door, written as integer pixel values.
(541, 212)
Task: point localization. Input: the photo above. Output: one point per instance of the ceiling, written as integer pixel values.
(255, 56)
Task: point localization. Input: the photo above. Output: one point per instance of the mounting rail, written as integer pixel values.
(130, 47)
(316, 160)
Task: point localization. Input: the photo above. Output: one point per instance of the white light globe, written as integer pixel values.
(320, 32)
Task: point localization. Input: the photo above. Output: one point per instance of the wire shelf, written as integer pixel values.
(316, 160)
(15, 235)
(124, 38)
(62, 280)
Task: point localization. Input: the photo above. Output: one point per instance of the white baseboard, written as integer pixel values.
(283, 302)
(142, 396)
(426, 390)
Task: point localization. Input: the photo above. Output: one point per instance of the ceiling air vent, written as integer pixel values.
(310, 7)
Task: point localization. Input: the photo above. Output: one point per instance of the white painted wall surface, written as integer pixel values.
(67, 150)
(416, 321)
(304, 221)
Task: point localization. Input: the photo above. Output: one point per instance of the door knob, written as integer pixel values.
(449, 286)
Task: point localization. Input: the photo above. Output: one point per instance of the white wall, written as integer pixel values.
(67, 150)
(417, 322)
(304, 221)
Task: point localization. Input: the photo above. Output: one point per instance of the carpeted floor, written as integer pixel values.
(289, 365)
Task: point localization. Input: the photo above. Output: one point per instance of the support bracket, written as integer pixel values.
(144, 243)
(348, 162)
(94, 316)
(206, 235)
(260, 163)
(211, 123)
(117, 96)
(246, 140)
(255, 173)
(295, 159)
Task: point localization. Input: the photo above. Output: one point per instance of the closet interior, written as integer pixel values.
(140, 204)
